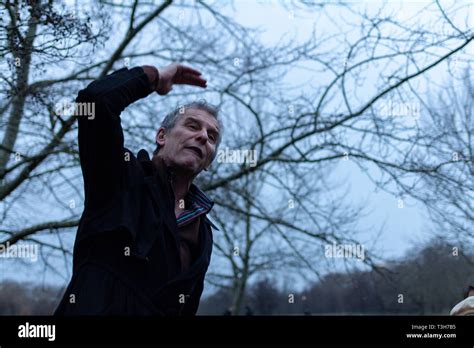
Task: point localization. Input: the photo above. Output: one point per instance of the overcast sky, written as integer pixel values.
(403, 227)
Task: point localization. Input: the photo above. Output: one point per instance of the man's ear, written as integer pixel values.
(160, 136)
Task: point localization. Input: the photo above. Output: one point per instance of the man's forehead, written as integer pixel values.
(200, 115)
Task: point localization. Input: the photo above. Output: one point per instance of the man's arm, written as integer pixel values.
(101, 136)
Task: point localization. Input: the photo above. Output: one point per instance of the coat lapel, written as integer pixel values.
(159, 194)
(180, 284)
(162, 197)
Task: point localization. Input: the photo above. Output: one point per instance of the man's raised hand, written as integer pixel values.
(178, 74)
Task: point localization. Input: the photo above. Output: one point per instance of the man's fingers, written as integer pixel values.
(188, 70)
(181, 75)
(191, 80)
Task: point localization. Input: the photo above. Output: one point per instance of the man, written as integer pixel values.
(466, 306)
(144, 242)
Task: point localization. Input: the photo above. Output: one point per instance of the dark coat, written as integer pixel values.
(126, 254)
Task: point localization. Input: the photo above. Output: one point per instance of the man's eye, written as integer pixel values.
(193, 126)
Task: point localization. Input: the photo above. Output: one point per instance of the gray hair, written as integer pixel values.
(170, 120)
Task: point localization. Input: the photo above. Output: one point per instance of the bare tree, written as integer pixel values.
(361, 63)
(449, 192)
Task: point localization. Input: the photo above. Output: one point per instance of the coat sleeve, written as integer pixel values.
(101, 141)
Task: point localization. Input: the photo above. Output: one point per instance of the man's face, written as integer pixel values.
(190, 144)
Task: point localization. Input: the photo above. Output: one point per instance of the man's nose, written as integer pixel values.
(202, 136)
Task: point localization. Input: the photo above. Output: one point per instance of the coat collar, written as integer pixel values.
(160, 177)
(162, 174)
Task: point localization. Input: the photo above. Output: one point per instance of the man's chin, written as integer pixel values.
(189, 166)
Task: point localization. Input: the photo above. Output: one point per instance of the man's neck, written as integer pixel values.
(180, 185)
(180, 182)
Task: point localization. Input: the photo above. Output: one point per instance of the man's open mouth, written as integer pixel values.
(196, 150)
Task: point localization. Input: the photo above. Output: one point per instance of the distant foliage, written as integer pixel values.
(431, 280)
